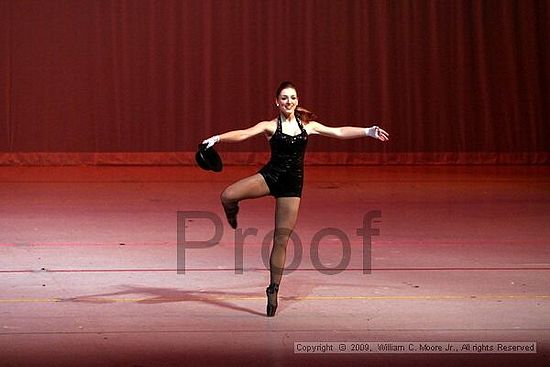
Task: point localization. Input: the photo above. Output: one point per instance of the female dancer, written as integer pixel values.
(282, 176)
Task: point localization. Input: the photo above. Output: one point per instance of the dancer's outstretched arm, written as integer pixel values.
(239, 135)
(348, 132)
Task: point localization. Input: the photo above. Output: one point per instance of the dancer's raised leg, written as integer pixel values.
(248, 188)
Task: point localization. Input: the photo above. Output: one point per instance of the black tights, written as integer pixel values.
(286, 213)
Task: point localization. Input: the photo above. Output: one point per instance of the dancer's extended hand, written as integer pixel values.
(377, 133)
(211, 141)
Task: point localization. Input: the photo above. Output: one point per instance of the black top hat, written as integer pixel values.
(208, 159)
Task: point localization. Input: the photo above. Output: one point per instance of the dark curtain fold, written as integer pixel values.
(448, 79)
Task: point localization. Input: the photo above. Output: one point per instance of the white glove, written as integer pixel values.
(376, 133)
(211, 141)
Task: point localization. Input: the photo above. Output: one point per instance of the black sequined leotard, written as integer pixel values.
(284, 173)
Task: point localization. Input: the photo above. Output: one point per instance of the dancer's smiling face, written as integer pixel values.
(287, 101)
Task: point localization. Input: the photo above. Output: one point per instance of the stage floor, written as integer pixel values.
(89, 261)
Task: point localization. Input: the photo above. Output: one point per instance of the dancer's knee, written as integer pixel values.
(282, 234)
(281, 238)
(228, 196)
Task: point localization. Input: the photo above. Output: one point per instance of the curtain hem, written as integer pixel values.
(255, 158)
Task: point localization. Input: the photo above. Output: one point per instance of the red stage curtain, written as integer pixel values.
(453, 81)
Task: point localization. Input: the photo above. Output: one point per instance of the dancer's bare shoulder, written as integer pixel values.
(268, 127)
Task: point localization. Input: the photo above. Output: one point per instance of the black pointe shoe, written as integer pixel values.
(271, 293)
(231, 214)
